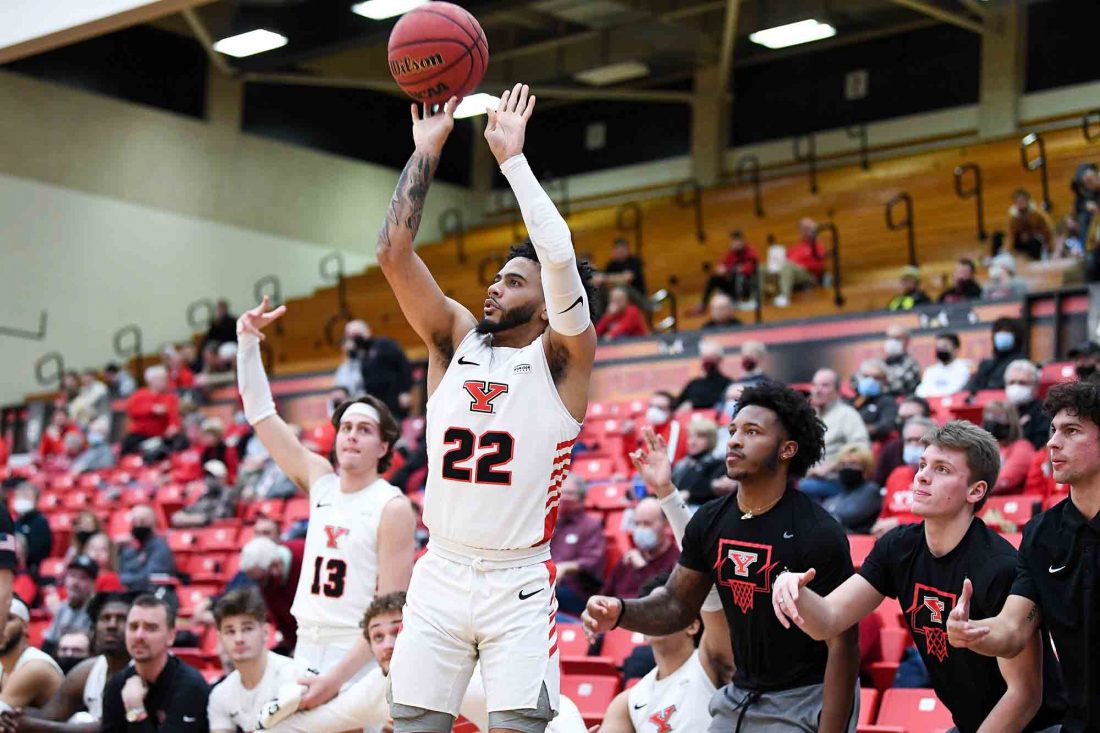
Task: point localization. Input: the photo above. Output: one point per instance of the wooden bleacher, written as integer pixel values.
(850, 197)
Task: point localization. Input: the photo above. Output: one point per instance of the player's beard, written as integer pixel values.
(11, 643)
(518, 316)
(768, 466)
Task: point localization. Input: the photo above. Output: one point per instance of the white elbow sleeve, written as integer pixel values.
(252, 380)
(678, 515)
(713, 601)
(566, 302)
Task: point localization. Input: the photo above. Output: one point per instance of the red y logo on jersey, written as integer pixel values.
(661, 718)
(334, 534)
(935, 607)
(741, 561)
(484, 393)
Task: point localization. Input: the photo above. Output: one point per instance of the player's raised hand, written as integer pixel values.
(652, 463)
(431, 127)
(785, 596)
(960, 631)
(257, 319)
(507, 126)
(600, 615)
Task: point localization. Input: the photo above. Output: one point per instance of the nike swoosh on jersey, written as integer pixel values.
(523, 597)
(788, 535)
(321, 506)
(467, 363)
(578, 301)
(188, 719)
(1054, 570)
(639, 707)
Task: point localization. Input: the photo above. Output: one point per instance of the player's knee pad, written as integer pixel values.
(527, 720)
(410, 719)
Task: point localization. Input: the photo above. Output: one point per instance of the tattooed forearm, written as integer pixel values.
(407, 205)
(658, 614)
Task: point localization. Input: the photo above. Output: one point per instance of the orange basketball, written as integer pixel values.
(438, 51)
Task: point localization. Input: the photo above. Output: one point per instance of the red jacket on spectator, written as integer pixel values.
(107, 582)
(632, 440)
(53, 441)
(152, 413)
(898, 500)
(280, 598)
(627, 322)
(1015, 462)
(23, 585)
(182, 378)
(4, 452)
(742, 261)
(808, 254)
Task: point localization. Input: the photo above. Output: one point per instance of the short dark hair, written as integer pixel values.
(797, 417)
(111, 368)
(102, 600)
(240, 602)
(1021, 192)
(387, 426)
(148, 600)
(968, 263)
(926, 409)
(388, 603)
(950, 336)
(983, 456)
(527, 251)
(1080, 399)
(667, 395)
(1010, 324)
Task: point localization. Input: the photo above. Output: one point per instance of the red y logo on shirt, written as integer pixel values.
(741, 561)
(935, 607)
(334, 534)
(484, 393)
(661, 718)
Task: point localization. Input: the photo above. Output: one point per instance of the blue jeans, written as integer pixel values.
(819, 488)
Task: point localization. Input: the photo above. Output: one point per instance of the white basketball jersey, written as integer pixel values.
(499, 441)
(340, 565)
(93, 687)
(676, 704)
(232, 706)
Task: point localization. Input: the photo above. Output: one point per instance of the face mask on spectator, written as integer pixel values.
(645, 538)
(869, 387)
(22, 505)
(1004, 340)
(141, 534)
(67, 663)
(1085, 371)
(656, 416)
(710, 366)
(910, 454)
(748, 363)
(1019, 394)
(83, 535)
(850, 477)
(997, 429)
(944, 356)
(894, 347)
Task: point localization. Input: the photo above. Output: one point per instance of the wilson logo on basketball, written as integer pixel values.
(411, 65)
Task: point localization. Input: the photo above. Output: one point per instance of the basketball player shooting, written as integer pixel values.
(507, 392)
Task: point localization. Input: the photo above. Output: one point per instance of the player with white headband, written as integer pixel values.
(361, 537)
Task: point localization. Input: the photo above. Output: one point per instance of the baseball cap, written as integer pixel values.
(215, 468)
(85, 563)
(1085, 348)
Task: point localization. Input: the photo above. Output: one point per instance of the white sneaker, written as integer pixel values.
(781, 301)
(747, 305)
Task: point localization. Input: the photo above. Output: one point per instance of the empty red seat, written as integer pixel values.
(619, 643)
(191, 595)
(208, 567)
(609, 497)
(588, 666)
(594, 469)
(1016, 508)
(297, 509)
(571, 640)
(221, 538)
(868, 705)
(52, 567)
(182, 540)
(273, 508)
(592, 694)
(861, 545)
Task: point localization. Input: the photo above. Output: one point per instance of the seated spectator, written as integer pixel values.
(1029, 227)
(577, 548)
(32, 524)
(261, 478)
(1086, 358)
(23, 584)
(99, 454)
(1007, 348)
(949, 374)
(275, 568)
(902, 370)
(911, 294)
(1022, 390)
(79, 582)
(1002, 421)
(85, 524)
(965, 287)
(623, 318)
(623, 269)
(1003, 282)
(70, 386)
(659, 417)
(349, 375)
(74, 646)
(30, 676)
(153, 411)
(384, 368)
(147, 554)
(721, 313)
(180, 376)
(890, 454)
(102, 550)
(735, 273)
(219, 364)
(52, 444)
(654, 552)
(695, 473)
(705, 391)
(120, 383)
(92, 401)
(217, 501)
(223, 327)
(857, 505)
(1069, 241)
(897, 503)
(214, 448)
(1086, 195)
(843, 425)
(752, 363)
(804, 265)
(876, 406)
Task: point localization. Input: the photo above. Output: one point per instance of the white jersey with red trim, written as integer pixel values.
(499, 440)
(340, 563)
(676, 704)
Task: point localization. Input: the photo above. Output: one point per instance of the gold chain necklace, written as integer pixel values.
(750, 513)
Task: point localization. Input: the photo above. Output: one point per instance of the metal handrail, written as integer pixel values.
(201, 304)
(450, 222)
(859, 132)
(482, 277)
(690, 193)
(907, 224)
(670, 322)
(749, 166)
(272, 287)
(25, 334)
(336, 277)
(55, 359)
(975, 190)
(809, 157)
(624, 222)
(1038, 163)
(830, 228)
(134, 350)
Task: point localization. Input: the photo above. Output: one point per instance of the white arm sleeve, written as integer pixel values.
(252, 380)
(566, 304)
(678, 516)
(362, 704)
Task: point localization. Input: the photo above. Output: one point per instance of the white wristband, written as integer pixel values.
(252, 379)
(677, 513)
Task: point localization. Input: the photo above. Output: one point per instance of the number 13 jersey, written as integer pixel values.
(498, 440)
(340, 564)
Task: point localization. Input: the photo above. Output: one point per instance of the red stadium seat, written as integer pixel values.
(296, 510)
(223, 538)
(182, 540)
(190, 595)
(52, 567)
(861, 545)
(274, 508)
(1015, 508)
(588, 666)
(868, 705)
(131, 463)
(592, 694)
(914, 710)
(890, 612)
(76, 499)
(893, 643)
(571, 641)
(619, 643)
(1055, 373)
(594, 469)
(608, 497)
(208, 567)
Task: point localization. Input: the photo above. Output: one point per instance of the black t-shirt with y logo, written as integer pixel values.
(901, 566)
(744, 556)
